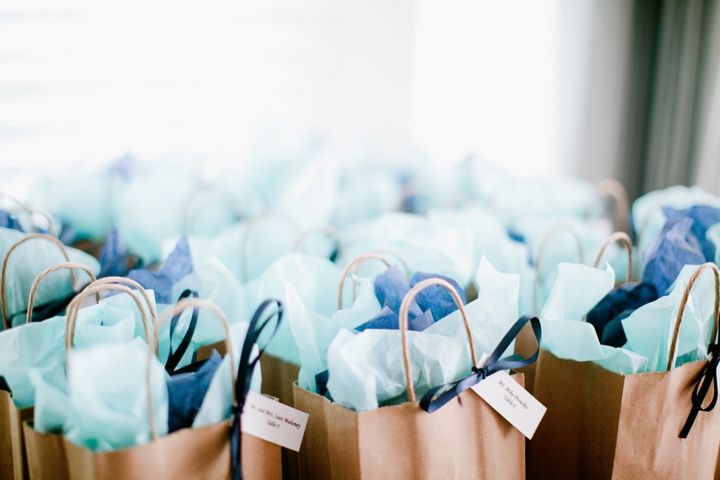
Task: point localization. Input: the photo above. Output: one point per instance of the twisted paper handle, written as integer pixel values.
(623, 239)
(404, 322)
(6, 320)
(355, 261)
(54, 268)
(683, 302)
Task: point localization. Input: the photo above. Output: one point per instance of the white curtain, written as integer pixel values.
(534, 85)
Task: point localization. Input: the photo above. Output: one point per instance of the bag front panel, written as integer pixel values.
(460, 441)
(655, 407)
(197, 453)
(45, 454)
(314, 460)
(602, 407)
(554, 451)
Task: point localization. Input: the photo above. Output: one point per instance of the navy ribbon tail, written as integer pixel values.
(439, 396)
(175, 357)
(244, 377)
(707, 378)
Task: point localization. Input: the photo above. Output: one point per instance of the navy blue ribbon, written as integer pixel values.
(244, 377)
(175, 357)
(439, 396)
(707, 377)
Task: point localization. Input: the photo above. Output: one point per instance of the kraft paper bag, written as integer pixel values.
(632, 423)
(601, 424)
(463, 439)
(201, 453)
(468, 441)
(652, 425)
(553, 453)
(83, 416)
(38, 347)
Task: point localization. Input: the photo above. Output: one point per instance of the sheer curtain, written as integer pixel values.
(518, 82)
(673, 132)
(87, 81)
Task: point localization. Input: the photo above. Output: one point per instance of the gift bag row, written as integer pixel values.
(458, 344)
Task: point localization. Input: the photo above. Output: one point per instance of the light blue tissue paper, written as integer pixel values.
(104, 405)
(37, 346)
(366, 371)
(647, 211)
(566, 335)
(316, 282)
(217, 404)
(490, 315)
(313, 332)
(108, 390)
(40, 346)
(650, 328)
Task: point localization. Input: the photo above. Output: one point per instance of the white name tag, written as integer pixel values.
(511, 400)
(265, 418)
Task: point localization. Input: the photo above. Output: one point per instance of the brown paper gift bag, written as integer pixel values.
(12, 450)
(202, 453)
(278, 375)
(626, 426)
(556, 440)
(468, 440)
(46, 459)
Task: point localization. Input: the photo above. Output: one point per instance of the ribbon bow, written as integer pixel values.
(244, 378)
(439, 396)
(707, 377)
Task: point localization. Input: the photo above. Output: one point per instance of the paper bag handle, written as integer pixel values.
(623, 239)
(32, 211)
(6, 320)
(613, 188)
(356, 261)
(94, 288)
(54, 268)
(324, 229)
(404, 321)
(131, 283)
(541, 251)
(392, 252)
(252, 223)
(683, 302)
(177, 309)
